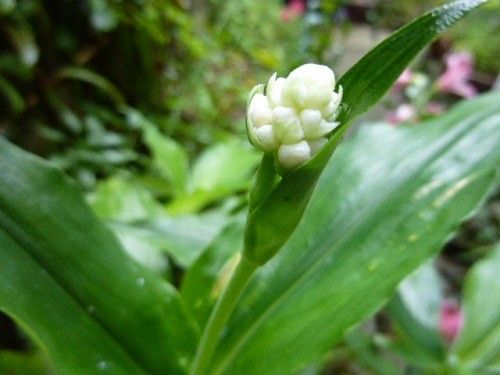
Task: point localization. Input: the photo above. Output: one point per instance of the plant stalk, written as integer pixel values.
(220, 315)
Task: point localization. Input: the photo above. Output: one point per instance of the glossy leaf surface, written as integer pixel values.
(76, 291)
(385, 204)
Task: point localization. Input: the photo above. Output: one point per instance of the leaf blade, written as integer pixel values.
(43, 212)
(379, 211)
(477, 349)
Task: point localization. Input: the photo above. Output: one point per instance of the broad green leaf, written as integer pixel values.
(119, 198)
(143, 226)
(271, 223)
(19, 363)
(142, 246)
(76, 291)
(168, 156)
(421, 294)
(181, 237)
(53, 318)
(221, 170)
(204, 281)
(384, 205)
(414, 313)
(224, 168)
(477, 349)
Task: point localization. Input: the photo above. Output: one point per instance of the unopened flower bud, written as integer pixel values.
(291, 156)
(309, 86)
(295, 114)
(260, 112)
(266, 138)
(274, 90)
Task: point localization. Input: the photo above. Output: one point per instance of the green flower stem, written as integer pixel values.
(220, 314)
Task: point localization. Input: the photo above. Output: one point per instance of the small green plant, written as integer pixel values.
(328, 233)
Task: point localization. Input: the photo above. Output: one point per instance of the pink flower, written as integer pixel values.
(435, 108)
(293, 10)
(404, 79)
(459, 69)
(405, 112)
(450, 320)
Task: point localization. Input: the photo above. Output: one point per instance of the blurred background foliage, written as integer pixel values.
(143, 101)
(81, 79)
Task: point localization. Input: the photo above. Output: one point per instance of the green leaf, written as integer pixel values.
(414, 313)
(272, 223)
(384, 205)
(223, 169)
(94, 79)
(363, 348)
(143, 246)
(14, 98)
(367, 81)
(7, 6)
(144, 228)
(477, 349)
(204, 281)
(119, 198)
(76, 291)
(76, 344)
(102, 16)
(22, 37)
(19, 363)
(168, 156)
(181, 237)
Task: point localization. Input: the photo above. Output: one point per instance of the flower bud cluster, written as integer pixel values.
(294, 114)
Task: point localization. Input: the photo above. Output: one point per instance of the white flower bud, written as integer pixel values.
(331, 110)
(291, 156)
(274, 90)
(314, 131)
(310, 117)
(315, 145)
(287, 125)
(295, 115)
(310, 120)
(266, 139)
(309, 86)
(259, 111)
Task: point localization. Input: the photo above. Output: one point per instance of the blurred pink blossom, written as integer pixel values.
(450, 320)
(404, 79)
(459, 69)
(293, 10)
(435, 108)
(405, 112)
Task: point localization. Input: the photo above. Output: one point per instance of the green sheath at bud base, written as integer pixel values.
(292, 116)
(290, 120)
